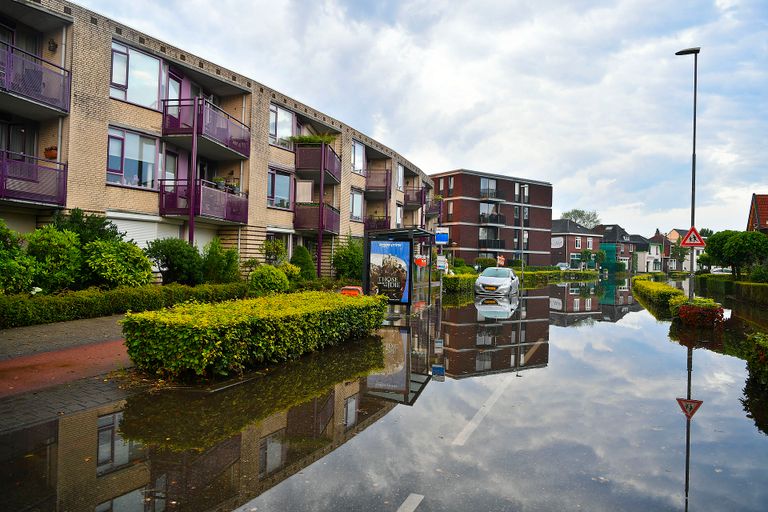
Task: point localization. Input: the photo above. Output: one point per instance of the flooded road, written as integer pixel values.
(564, 399)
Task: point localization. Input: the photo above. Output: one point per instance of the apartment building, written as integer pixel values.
(490, 215)
(569, 239)
(98, 116)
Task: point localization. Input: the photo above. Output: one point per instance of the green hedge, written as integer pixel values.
(23, 309)
(536, 278)
(218, 339)
(659, 294)
(178, 420)
(756, 293)
(459, 283)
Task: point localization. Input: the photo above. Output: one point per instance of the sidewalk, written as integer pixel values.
(41, 356)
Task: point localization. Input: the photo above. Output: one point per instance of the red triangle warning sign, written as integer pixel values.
(692, 239)
(689, 407)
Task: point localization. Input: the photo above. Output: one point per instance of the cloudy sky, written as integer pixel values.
(587, 95)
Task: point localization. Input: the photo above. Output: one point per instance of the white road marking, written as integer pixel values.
(481, 413)
(410, 503)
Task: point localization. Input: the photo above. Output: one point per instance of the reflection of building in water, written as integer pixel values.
(82, 461)
(571, 303)
(483, 338)
(617, 300)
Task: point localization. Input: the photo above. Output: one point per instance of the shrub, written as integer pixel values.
(459, 283)
(757, 357)
(58, 256)
(118, 263)
(484, 263)
(348, 259)
(17, 270)
(177, 261)
(659, 294)
(302, 259)
(756, 293)
(274, 251)
(464, 270)
(220, 265)
(459, 262)
(326, 284)
(218, 339)
(291, 271)
(701, 316)
(21, 309)
(88, 228)
(759, 274)
(268, 279)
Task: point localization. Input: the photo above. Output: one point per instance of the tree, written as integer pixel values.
(705, 260)
(587, 218)
(744, 249)
(178, 261)
(706, 232)
(599, 258)
(302, 259)
(716, 246)
(586, 257)
(679, 253)
(274, 251)
(348, 259)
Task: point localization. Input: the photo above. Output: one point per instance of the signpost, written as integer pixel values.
(689, 406)
(693, 239)
(441, 236)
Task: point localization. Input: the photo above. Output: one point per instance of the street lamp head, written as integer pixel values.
(689, 51)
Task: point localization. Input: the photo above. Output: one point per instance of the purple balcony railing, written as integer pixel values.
(27, 178)
(34, 78)
(212, 122)
(211, 201)
(373, 223)
(309, 158)
(378, 179)
(307, 217)
(414, 197)
(433, 208)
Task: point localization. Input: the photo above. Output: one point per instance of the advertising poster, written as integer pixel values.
(390, 270)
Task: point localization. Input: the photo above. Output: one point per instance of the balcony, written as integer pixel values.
(491, 243)
(311, 158)
(221, 136)
(433, 208)
(492, 218)
(307, 217)
(491, 194)
(378, 184)
(376, 223)
(414, 198)
(30, 179)
(33, 87)
(212, 202)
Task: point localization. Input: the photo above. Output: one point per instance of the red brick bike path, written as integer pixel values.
(45, 369)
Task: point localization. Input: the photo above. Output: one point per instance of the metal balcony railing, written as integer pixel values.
(492, 218)
(211, 201)
(37, 79)
(491, 243)
(491, 193)
(433, 208)
(212, 122)
(313, 157)
(414, 197)
(307, 217)
(378, 179)
(374, 223)
(28, 178)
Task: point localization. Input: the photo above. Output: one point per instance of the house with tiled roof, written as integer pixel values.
(648, 254)
(569, 238)
(666, 247)
(617, 245)
(758, 213)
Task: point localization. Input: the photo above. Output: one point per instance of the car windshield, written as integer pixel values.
(495, 272)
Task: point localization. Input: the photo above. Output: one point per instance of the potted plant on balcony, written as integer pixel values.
(51, 152)
(219, 182)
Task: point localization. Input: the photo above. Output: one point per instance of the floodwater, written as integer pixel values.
(564, 399)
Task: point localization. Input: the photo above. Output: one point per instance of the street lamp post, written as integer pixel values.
(695, 53)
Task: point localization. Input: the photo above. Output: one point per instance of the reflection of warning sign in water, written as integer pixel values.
(689, 407)
(692, 239)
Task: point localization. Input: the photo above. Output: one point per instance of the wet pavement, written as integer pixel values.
(562, 400)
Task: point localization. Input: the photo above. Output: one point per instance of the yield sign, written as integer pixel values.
(692, 239)
(689, 407)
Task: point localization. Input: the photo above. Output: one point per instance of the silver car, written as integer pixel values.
(497, 281)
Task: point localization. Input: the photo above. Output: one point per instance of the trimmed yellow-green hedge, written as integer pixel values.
(659, 294)
(537, 278)
(205, 340)
(459, 283)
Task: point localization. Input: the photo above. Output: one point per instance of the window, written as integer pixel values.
(486, 208)
(487, 187)
(450, 210)
(171, 165)
(271, 450)
(399, 215)
(622, 248)
(589, 243)
(578, 242)
(350, 411)
(575, 260)
(440, 184)
(356, 205)
(135, 76)
(587, 304)
(112, 451)
(483, 361)
(279, 189)
(450, 185)
(576, 305)
(517, 192)
(488, 233)
(358, 157)
(131, 159)
(400, 176)
(525, 240)
(281, 124)
(525, 215)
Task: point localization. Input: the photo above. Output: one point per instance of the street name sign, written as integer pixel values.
(689, 407)
(692, 239)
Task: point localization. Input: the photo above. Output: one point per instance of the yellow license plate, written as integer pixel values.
(490, 301)
(490, 288)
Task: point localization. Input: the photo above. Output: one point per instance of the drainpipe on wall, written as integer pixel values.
(321, 211)
(191, 175)
(59, 137)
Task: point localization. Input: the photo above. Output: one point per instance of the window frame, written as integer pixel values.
(355, 144)
(156, 166)
(352, 193)
(116, 85)
(273, 138)
(161, 77)
(400, 177)
(271, 175)
(577, 242)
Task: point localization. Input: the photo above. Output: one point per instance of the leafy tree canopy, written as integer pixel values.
(587, 218)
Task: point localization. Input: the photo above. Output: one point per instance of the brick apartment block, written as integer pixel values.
(131, 115)
(483, 212)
